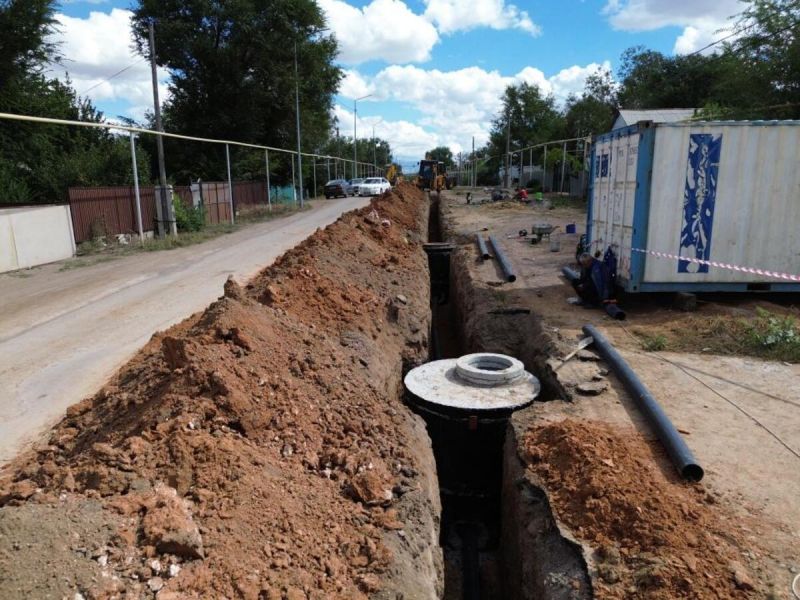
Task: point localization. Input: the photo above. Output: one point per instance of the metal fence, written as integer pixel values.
(113, 210)
(98, 211)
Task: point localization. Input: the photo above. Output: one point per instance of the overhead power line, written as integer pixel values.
(107, 79)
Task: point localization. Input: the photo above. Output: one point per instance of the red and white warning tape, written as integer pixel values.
(713, 263)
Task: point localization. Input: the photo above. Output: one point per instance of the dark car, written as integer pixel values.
(336, 188)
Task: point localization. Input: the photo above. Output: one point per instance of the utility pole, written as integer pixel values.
(166, 206)
(374, 150)
(474, 174)
(355, 134)
(508, 147)
(297, 118)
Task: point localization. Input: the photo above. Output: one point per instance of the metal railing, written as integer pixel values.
(365, 168)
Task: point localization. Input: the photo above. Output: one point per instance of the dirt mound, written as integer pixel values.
(653, 536)
(259, 449)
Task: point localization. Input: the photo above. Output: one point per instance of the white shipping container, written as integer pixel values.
(713, 192)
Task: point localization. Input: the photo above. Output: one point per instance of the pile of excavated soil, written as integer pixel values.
(259, 449)
(653, 536)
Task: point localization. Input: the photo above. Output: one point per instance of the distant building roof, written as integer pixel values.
(627, 117)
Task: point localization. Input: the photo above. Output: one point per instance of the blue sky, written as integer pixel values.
(435, 68)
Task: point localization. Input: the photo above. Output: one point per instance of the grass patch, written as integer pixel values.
(92, 252)
(765, 335)
(654, 343)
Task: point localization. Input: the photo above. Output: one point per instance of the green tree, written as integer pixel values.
(593, 111)
(528, 117)
(441, 154)
(231, 68)
(39, 162)
(770, 49)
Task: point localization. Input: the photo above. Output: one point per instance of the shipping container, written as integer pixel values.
(677, 200)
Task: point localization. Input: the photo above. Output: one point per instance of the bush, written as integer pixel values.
(186, 218)
(534, 185)
(778, 335)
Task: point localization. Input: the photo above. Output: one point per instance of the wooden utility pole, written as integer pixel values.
(167, 221)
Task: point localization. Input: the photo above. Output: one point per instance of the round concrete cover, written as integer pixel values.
(437, 382)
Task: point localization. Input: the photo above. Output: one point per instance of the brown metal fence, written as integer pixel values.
(216, 204)
(249, 193)
(111, 211)
(100, 211)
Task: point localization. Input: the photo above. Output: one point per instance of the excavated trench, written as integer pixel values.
(498, 535)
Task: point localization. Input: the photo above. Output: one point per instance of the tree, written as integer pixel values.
(527, 118)
(24, 30)
(594, 110)
(231, 68)
(441, 154)
(770, 47)
(39, 162)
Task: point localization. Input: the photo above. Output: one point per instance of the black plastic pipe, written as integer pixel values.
(482, 249)
(508, 270)
(678, 451)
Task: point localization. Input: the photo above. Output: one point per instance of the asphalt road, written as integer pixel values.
(64, 333)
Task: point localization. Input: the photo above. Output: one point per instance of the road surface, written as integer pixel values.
(63, 334)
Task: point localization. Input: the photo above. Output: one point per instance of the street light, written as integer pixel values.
(375, 146)
(355, 134)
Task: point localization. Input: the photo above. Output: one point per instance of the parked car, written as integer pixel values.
(336, 188)
(354, 184)
(374, 186)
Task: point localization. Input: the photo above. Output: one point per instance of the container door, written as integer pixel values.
(613, 194)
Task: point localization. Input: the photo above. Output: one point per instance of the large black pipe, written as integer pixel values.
(678, 451)
(482, 249)
(508, 270)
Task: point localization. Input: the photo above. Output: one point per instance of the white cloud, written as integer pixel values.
(383, 30)
(97, 47)
(701, 20)
(462, 15)
(456, 105)
(701, 34)
(408, 140)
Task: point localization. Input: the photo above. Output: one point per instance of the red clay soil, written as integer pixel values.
(654, 537)
(260, 447)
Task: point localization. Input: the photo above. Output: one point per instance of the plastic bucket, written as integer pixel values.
(570, 228)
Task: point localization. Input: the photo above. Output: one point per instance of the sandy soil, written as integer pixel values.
(62, 334)
(748, 471)
(259, 449)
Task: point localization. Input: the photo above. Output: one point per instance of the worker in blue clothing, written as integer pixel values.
(594, 284)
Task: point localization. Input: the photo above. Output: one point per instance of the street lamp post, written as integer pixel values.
(355, 134)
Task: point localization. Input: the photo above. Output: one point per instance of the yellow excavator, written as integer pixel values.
(433, 175)
(392, 173)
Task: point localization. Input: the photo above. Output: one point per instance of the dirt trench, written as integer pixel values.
(259, 450)
(587, 509)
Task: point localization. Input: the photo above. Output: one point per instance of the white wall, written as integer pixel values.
(34, 235)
